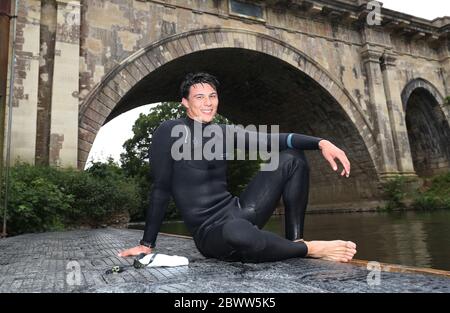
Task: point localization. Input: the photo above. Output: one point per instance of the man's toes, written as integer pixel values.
(352, 251)
(349, 256)
(351, 245)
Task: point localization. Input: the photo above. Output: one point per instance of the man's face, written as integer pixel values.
(201, 103)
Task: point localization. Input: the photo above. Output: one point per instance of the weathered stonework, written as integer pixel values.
(64, 124)
(314, 67)
(23, 131)
(46, 63)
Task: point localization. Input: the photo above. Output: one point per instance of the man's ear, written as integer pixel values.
(185, 103)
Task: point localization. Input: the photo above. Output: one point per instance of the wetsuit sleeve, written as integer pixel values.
(285, 140)
(161, 172)
(301, 142)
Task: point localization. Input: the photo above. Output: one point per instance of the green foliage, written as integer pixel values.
(35, 202)
(394, 192)
(447, 100)
(427, 202)
(43, 198)
(135, 159)
(437, 196)
(103, 189)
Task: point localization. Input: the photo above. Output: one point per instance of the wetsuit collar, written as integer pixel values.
(191, 122)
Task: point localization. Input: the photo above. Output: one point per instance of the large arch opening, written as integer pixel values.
(428, 131)
(256, 88)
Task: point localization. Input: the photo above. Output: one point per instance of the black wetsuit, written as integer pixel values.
(224, 226)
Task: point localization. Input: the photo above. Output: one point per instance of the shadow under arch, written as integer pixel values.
(265, 80)
(428, 127)
(423, 84)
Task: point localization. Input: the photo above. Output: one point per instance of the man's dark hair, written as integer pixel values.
(197, 78)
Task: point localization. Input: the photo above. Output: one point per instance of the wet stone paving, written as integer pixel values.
(76, 261)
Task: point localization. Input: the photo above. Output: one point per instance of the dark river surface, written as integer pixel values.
(420, 239)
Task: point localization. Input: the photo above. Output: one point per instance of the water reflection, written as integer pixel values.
(419, 239)
(414, 245)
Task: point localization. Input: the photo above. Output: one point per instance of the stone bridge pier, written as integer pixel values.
(376, 87)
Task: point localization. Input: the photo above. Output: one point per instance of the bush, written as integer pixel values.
(43, 198)
(37, 205)
(437, 196)
(426, 202)
(394, 192)
(109, 191)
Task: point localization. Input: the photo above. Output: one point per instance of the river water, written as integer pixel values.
(420, 239)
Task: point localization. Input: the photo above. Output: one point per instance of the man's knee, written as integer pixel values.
(240, 233)
(290, 156)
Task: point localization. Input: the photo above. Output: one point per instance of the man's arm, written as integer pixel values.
(291, 141)
(161, 170)
(285, 140)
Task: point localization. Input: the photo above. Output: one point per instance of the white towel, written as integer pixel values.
(152, 260)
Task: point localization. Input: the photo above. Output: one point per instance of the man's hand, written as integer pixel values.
(135, 251)
(331, 152)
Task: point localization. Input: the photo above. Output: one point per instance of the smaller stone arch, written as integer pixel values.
(420, 83)
(428, 126)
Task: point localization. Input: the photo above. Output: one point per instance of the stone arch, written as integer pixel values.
(423, 84)
(96, 110)
(428, 127)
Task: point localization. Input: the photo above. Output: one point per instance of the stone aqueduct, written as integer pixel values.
(314, 67)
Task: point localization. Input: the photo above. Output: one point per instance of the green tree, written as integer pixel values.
(135, 159)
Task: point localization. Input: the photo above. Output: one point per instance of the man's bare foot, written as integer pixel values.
(336, 250)
(135, 251)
